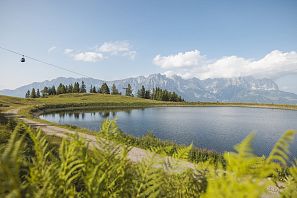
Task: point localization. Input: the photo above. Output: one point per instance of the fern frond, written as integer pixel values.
(244, 148)
(183, 152)
(150, 179)
(280, 151)
(10, 162)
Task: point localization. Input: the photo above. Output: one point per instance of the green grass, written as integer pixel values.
(102, 100)
(33, 165)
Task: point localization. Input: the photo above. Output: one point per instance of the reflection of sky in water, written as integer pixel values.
(217, 128)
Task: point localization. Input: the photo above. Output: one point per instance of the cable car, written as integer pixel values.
(23, 59)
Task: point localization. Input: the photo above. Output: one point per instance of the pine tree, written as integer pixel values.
(91, 89)
(114, 90)
(61, 89)
(76, 87)
(147, 94)
(141, 92)
(104, 89)
(38, 94)
(129, 90)
(53, 90)
(94, 90)
(45, 92)
(70, 88)
(83, 87)
(33, 93)
(27, 94)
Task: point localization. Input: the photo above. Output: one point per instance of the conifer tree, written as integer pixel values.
(61, 89)
(27, 94)
(94, 90)
(91, 89)
(76, 87)
(104, 89)
(38, 94)
(33, 93)
(66, 89)
(129, 90)
(83, 87)
(114, 90)
(141, 92)
(45, 92)
(70, 88)
(53, 90)
(147, 94)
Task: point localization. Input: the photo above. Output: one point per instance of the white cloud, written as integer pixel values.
(273, 65)
(68, 51)
(85, 56)
(102, 52)
(88, 56)
(186, 59)
(123, 48)
(51, 49)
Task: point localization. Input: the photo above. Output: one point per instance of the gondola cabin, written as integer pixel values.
(23, 59)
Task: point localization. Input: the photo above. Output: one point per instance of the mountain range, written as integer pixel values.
(240, 89)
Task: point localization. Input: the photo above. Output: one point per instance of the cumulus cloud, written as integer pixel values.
(186, 59)
(88, 56)
(51, 49)
(68, 51)
(102, 52)
(85, 56)
(123, 48)
(273, 65)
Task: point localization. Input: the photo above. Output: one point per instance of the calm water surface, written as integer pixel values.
(217, 128)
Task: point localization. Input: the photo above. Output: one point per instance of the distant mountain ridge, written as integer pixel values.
(240, 89)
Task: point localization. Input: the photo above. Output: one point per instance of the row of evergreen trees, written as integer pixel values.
(156, 94)
(76, 88)
(61, 89)
(159, 94)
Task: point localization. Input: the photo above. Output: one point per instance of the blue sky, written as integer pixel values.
(118, 39)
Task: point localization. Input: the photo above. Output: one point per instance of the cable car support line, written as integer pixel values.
(43, 62)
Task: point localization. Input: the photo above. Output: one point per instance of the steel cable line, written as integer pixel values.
(43, 62)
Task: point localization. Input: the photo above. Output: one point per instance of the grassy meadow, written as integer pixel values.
(35, 164)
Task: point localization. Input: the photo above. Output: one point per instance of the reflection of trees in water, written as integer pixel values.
(128, 111)
(83, 116)
(62, 115)
(70, 115)
(76, 115)
(104, 114)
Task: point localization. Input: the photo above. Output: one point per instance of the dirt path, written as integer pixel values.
(135, 154)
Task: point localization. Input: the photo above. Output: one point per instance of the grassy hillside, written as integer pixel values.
(71, 100)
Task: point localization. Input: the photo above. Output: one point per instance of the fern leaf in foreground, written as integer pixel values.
(280, 151)
(183, 152)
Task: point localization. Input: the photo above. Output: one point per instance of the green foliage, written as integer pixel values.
(30, 166)
(247, 175)
(83, 88)
(280, 150)
(110, 130)
(291, 182)
(128, 90)
(165, 95)
(104, 89)
(114, 90)
(33, 93)
(27, 95)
